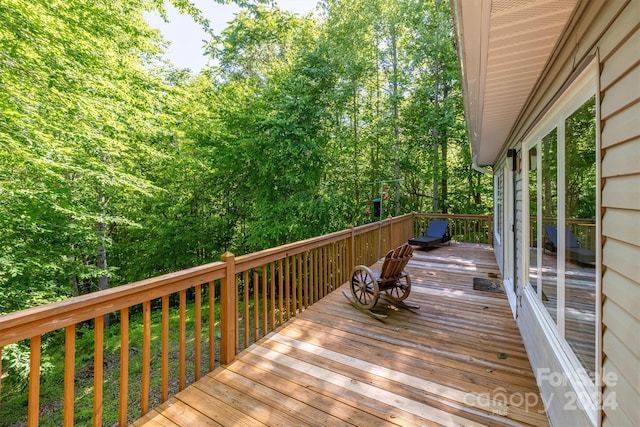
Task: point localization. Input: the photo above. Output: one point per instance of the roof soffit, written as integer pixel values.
(504, 46)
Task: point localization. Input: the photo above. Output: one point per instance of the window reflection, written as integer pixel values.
(549, 205)
(533, 208)
(580, 247)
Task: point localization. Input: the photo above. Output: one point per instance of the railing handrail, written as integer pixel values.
(458, 216)
(254, 259)
(39, 320)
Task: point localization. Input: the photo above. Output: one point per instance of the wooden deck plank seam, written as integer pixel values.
(383, 396)
(454, 395)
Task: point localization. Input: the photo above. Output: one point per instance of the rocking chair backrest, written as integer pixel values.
(395, 261)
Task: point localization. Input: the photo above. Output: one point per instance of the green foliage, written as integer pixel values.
(15, 363)
(76, 107)
(288, 136)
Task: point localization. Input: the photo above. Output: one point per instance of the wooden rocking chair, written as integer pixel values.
(393, 280)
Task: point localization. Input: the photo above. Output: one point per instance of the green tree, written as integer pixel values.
(76, 106)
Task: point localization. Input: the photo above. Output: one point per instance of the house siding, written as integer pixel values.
(620, 140)
(609, 29)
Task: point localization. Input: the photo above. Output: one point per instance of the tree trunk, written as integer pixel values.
(356, 172)
(444, 187)
(74, 285)
(547, 211)
(434, 201)
(396, 124)
(101, 261)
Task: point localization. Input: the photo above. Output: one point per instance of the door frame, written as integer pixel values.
(508, 237)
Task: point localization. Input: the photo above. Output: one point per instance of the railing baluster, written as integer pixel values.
(256, 306)
(182, 350)
(124, 366)
(334, 266)
(164, 357)
(287, 287)
(314, 274)
(69, 373)
(294, 286)
(98, 360)
(0, 373)
(198, 330)
(305, 281)
(322, 272)
(146, 357)
(212, 325)
(309, 279)
(265, 314)
(328, 267)
(245, 294)
(34, 382)
(280, 290)
(272, 287)
(300, 283)
(345, 261)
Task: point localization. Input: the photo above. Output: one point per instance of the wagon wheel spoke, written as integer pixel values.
(402, 289)
(364, 287)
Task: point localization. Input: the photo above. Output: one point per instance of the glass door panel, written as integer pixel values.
(580, 250)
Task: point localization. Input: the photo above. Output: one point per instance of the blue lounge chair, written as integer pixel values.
(437, 233)
(572, 246)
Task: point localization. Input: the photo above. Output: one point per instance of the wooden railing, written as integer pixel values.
(584, 229)
(463, 228)
(229, 304)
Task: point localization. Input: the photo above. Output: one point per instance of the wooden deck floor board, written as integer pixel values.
(266, 404)
(334, 365)
(328, 410)
(377, 413)
(424, 397)
(464, 377)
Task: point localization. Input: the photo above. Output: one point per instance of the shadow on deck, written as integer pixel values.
(459, 360)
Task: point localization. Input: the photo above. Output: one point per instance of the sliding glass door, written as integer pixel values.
(561, 190)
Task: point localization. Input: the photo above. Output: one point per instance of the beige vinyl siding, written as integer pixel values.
(611, 30)
(620, 401)
(621, 160)
(620, 115)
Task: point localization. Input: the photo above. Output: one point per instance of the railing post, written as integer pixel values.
(228, 310)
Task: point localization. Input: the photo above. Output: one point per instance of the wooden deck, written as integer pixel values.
(459, 360)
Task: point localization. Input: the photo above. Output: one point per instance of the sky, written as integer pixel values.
(186, 37)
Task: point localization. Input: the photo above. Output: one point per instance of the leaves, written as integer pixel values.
(75, 97)
(288, 136)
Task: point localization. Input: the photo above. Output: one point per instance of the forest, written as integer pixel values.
(117, 166)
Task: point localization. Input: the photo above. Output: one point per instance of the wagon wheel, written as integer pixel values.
(401, 290)
(364, 287)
